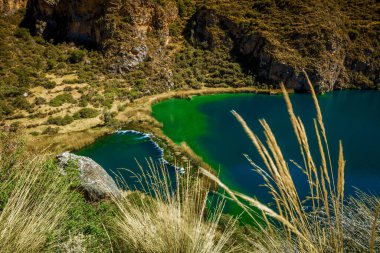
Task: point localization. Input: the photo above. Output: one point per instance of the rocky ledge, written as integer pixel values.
(96, 183)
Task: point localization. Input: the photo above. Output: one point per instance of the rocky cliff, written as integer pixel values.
(194, 43)
(8, 7)
(128, 32)
(278, 48)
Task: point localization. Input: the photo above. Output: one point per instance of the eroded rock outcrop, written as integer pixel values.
(262, 56)
(8, 7)
(128, 31)
(96, 183)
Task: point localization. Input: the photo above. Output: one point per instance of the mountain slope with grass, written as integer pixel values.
(61, 57)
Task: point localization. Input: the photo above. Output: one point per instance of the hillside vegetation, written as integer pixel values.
(49, 73)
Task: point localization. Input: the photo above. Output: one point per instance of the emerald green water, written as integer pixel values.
(207, 126)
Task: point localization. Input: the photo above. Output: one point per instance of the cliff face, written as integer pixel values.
(276, 40)
(335, 42)
(127, 31)
(261, 56)
(8, 7)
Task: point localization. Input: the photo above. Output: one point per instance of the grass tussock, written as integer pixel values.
(176, 220)
(323, 222)
(33, 200)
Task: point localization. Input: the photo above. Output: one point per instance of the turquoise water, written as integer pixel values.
(207, 125)
(123, 153)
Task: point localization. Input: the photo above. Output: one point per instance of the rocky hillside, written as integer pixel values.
(127, 31)
(273, 39)
(335, 41)
(64, 58)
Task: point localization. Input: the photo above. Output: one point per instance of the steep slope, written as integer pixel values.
(276, 39)
(127, 31)
(336, 42)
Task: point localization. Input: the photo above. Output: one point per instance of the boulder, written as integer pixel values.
(96, 183)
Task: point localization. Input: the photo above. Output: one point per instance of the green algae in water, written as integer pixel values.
(206, 124)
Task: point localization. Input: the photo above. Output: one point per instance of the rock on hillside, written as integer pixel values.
(8, 7)
(129, 31)
(95, 181)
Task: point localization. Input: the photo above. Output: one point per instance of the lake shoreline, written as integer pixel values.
(138, 116)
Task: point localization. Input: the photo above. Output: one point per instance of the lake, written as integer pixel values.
(207, 126)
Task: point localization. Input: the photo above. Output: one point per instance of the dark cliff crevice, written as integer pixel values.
(67, 20)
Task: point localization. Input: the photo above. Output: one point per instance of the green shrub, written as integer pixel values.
(22, 33)
(40, 40)
(109, 119)
(83, 102)
(15, 126)
(121, 108)
(51, 64)
(62, 99)
(76, 56)
(21, 103)
(86, 113)
(49, 85)
(60, 121)
(5, 108)
(50, 130)
(39, 101)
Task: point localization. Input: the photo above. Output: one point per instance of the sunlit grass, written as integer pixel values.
(175, 219)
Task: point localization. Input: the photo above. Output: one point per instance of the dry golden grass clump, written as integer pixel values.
(176, 219)
(37, 201)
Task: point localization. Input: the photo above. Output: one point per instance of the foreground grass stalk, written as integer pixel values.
(307, 230)
(373, 229)
(170, 218)
(37, 202)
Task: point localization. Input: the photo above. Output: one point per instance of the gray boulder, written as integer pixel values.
(96, 183)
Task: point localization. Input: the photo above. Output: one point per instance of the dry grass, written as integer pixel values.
(66, 141)
(37, 202)
(175, 220)
(317, 223)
